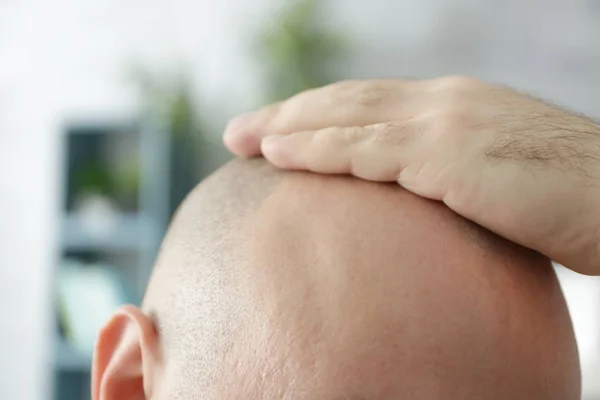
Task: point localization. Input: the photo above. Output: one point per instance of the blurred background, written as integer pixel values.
(111, 111)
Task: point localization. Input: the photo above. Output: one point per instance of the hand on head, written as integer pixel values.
(522, 168)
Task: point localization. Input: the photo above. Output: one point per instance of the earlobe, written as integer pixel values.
(126, 357)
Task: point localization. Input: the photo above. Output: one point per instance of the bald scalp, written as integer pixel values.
(193, 293)
(279, 285)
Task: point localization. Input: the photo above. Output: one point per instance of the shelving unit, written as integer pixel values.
(133, 233)
(129, 234)
(68, 359)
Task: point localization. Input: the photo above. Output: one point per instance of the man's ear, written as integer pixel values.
(126, 357)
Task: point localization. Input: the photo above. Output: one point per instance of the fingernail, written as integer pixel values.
(268, 145)
(281, 156)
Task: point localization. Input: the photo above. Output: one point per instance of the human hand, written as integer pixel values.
(522, 168)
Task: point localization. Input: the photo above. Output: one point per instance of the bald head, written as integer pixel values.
(274, 285)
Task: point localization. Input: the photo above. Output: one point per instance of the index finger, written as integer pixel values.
(342, 104)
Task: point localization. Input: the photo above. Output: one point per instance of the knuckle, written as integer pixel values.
(335, 137)
(383, 132)
(372, 93)
(442, 122)
(340, 92)
(391, 134)
(453, 120)
(326, 138)
(363, 93)
(352, 134)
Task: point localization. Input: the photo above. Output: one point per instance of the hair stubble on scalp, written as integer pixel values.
(196, 257)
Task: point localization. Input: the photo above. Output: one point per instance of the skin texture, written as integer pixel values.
(522, 168)
(274, 285)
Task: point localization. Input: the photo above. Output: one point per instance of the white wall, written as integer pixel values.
(27, 200)
(67, 59)
(27, 191)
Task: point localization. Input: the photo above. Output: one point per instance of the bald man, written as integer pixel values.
(280, 285)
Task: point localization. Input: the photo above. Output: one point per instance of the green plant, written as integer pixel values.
(299, 51)
(127, 182)
(94, 178)
(170, 99)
